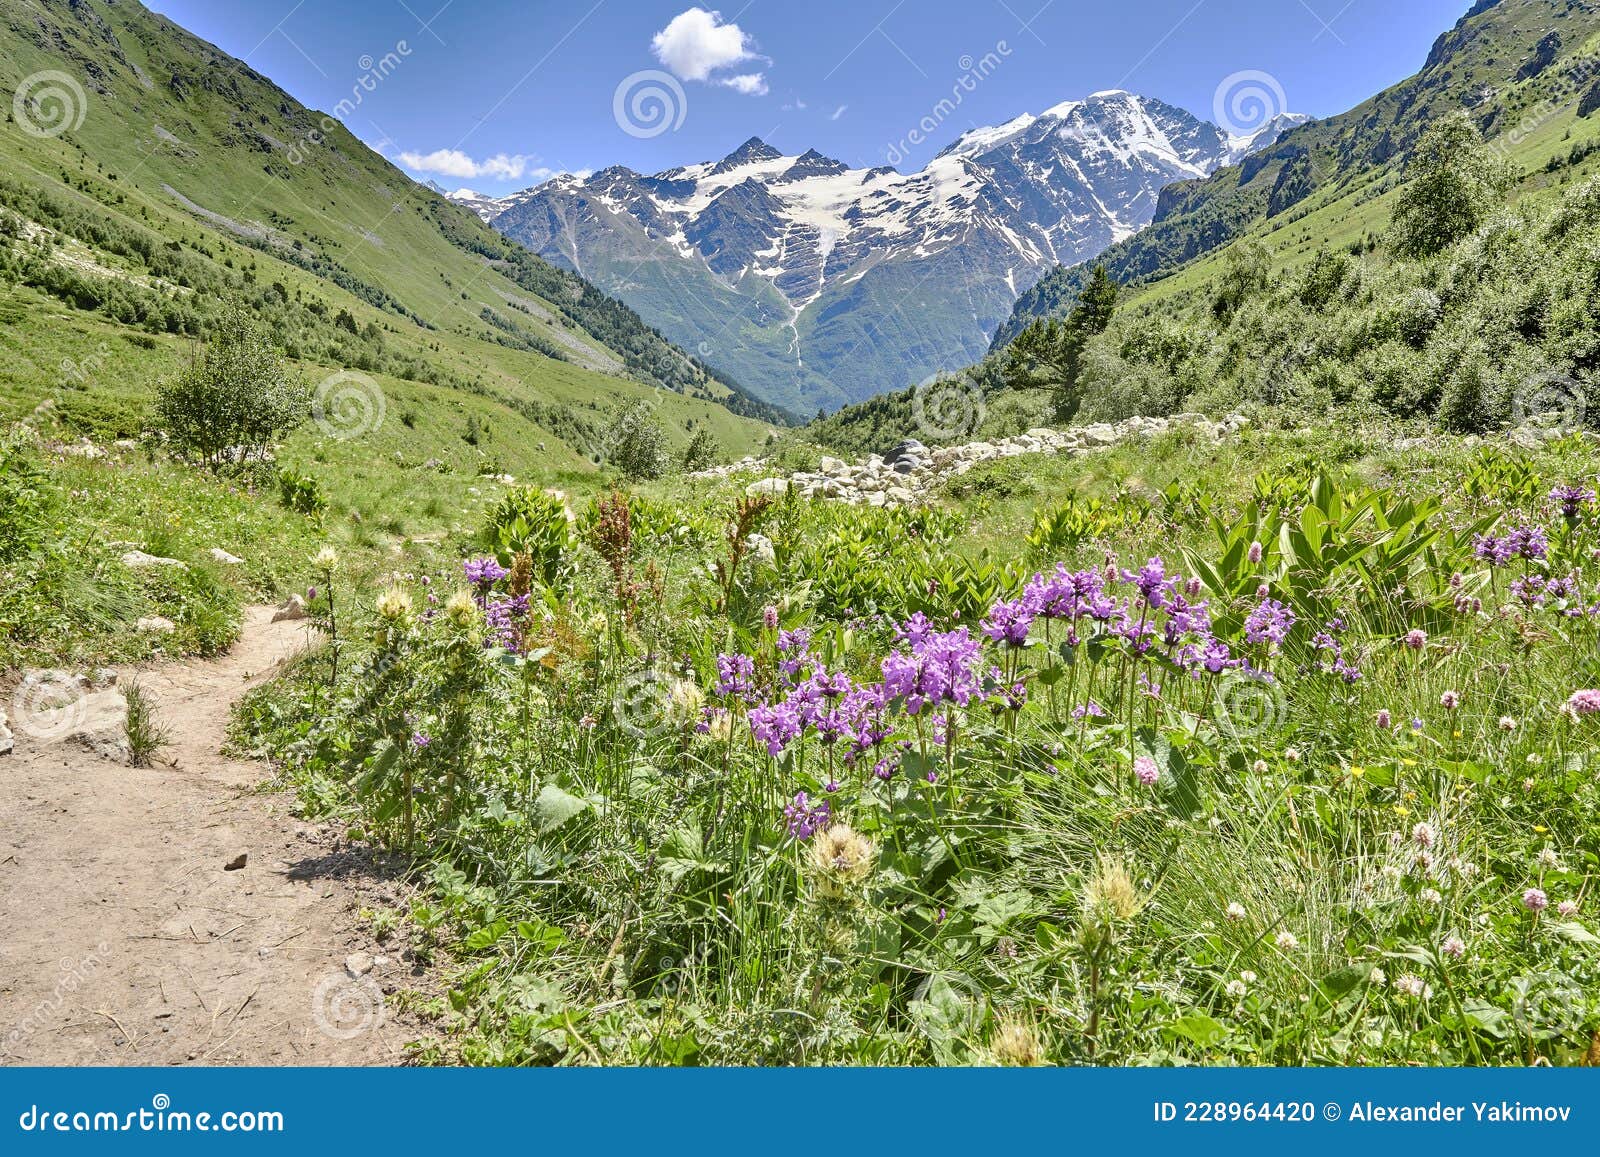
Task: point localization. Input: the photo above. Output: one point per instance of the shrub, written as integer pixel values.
(234, 400)
(635, 445)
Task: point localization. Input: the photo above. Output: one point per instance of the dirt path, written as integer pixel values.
(123, 940)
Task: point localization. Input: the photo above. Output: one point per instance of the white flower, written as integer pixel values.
(1288, 941)
(1237, 988)
(1235, 912)
(1567, 909)
(1414, 986)
(1247, 976)
(1425, 835)
(1377, 978)
(1431, 896)
(1548, 858)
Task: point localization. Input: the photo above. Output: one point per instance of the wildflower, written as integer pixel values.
(769, 617)
(461, 610)
(483, 573)
(1583, 703)
(1237, 989)
(394, 604)
(1146, 770)
(588, 722)
(420, 739)
(1287, 941)
(1450, 700)
(1548, 858)
(1292, 754)
(735, 675)
(1384, 720)
(1377, 978)
(1424, 835)
(1260, 767)
(1247, 976)
(325, 559)
(1413, 986)
(804, 820)
(1254, 553)
(776, 725)
(1431, 896)
(1534, 900)
(1269, 623)
(1235, 912)
(1453, 947)
(1008, 623)
(1110, 892)
(841, 857)
(1016, 1044)
(1567, 909)
(311, 594)
(1507, 723)
(1571, 498)
(1416, 640)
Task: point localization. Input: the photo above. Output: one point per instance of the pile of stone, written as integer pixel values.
(902, 476)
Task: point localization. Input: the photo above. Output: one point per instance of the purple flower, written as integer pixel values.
(1534, 900)
(1152, 581)
(939, 669)
(503, 617)
(483, 573)
(1529, 542)
(769, 618)
(1008, 623)
(736, 675)
(420, 739)
(1145, 769)
(776, 725)
(1582, 703)
(804, 819)
(1494, 550)
(1416, 640)
(1269, 623)
(1571, 499)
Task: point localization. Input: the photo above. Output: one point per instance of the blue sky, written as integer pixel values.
(496, 94)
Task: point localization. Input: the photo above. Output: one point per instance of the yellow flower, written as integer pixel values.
(1358, 771)
(1400, 809)
(1541, 829)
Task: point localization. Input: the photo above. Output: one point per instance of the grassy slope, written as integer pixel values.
(227, 143)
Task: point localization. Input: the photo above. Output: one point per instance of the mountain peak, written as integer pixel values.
(753, 150)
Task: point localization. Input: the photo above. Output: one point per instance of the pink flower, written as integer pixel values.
(1583, 703)
(1146, 770)
(1384, 720)
(1416, 640)
(1567, 909)
(1450, 700)
(769, 617)
(1534, 900)
(1453, 947)
(1424, 835)
(1254, 554)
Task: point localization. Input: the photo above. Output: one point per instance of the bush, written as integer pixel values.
(234, 400)
(635, 444)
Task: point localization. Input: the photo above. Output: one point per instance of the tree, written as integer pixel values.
(236, 397)
(702, 451)
(635, 444)
(1049, 353)
(1455, 182)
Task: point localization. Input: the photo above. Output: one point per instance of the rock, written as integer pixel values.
(293, 609)
(155, 625)
(126, 444)
(138, 560)
(226, 559)
(767, 486)
(83, 450)
(6, 745)
(358, 964)
(103, 678)
(237, 862)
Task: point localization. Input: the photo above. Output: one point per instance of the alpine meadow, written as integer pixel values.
(1116, 586)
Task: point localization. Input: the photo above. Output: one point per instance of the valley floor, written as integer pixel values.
(126, 939)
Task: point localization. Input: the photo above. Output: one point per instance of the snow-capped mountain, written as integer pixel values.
(815, 284)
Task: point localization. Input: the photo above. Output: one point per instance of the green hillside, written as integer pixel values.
(146, 175)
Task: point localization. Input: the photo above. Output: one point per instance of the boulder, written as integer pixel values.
(223, 557)
(138, 560)
(292, 610)
(772, 486)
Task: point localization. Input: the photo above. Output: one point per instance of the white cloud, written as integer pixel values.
(838, 112)
(455, 163)
(696, 43)
(751, 84)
